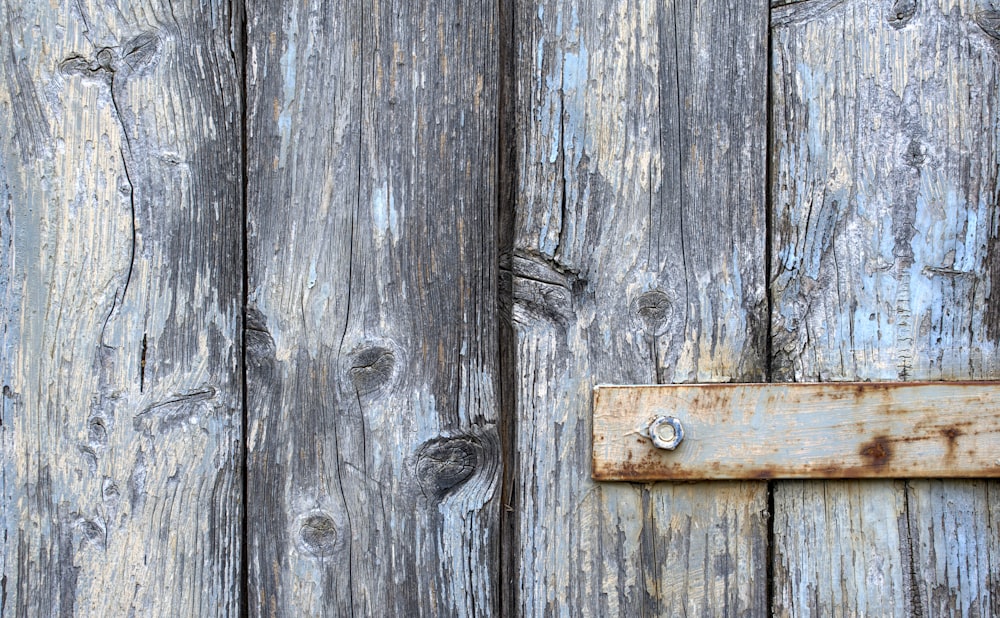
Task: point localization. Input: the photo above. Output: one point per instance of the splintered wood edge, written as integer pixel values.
(800, 431)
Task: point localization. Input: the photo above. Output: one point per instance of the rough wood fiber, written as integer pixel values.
(886, 145)
(821, 430)
(373, 447)
(637, 257)
(120, 187)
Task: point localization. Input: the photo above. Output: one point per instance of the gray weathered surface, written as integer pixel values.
(885, 155)
(374, 456)
(628, 196)
(121, 234)
(637, 258)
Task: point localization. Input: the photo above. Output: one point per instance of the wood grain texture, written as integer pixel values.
(885, 158)
(374, 455)
(120, 187)
(824, 430)
(636, 257)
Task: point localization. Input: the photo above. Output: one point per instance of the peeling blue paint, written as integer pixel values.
(384, 213)
(288, 63)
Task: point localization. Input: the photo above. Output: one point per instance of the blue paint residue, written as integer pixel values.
(287, 88)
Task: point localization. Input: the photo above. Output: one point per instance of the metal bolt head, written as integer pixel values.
(666, 432)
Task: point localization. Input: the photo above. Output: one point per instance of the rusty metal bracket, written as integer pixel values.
(763, 431)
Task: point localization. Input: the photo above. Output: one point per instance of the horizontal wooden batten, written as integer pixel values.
(796, 430)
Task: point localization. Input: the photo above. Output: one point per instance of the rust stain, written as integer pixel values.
(626, 470)
(951, 435)
(877, 452)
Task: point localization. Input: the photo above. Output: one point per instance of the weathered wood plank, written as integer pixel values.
(373, 448)
(825, 430)
(120, 185)
(638, 236)
(886, 125)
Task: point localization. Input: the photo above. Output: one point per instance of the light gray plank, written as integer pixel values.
(374, 455)
(884, 253)
(955, 537)
(839, 547)
(638, 236)
(823, 430)
(120, 188)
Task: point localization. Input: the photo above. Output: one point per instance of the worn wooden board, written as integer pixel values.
(374, 455)
(884, 257)
(823, 430)
(638, 237)
(121, 286)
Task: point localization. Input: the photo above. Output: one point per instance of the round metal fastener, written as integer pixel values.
(666, 432)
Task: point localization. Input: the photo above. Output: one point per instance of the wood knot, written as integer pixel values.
(260, 348)
(97, 433)
(135, 56)
(989, 21)
(140, 52)
(110, 492)
(542, 288)
(320, 534)
(93, 531)
(653, 310)
(914, 155)
(445, 464)
(178, 410)
(901, 13)
(372, 368)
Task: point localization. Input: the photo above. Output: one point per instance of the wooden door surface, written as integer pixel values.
(304, 300)
(121, 193)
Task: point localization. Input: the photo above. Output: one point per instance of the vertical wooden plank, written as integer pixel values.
(637, 257)
(373, 447)
(886, 147)
(120, 188)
